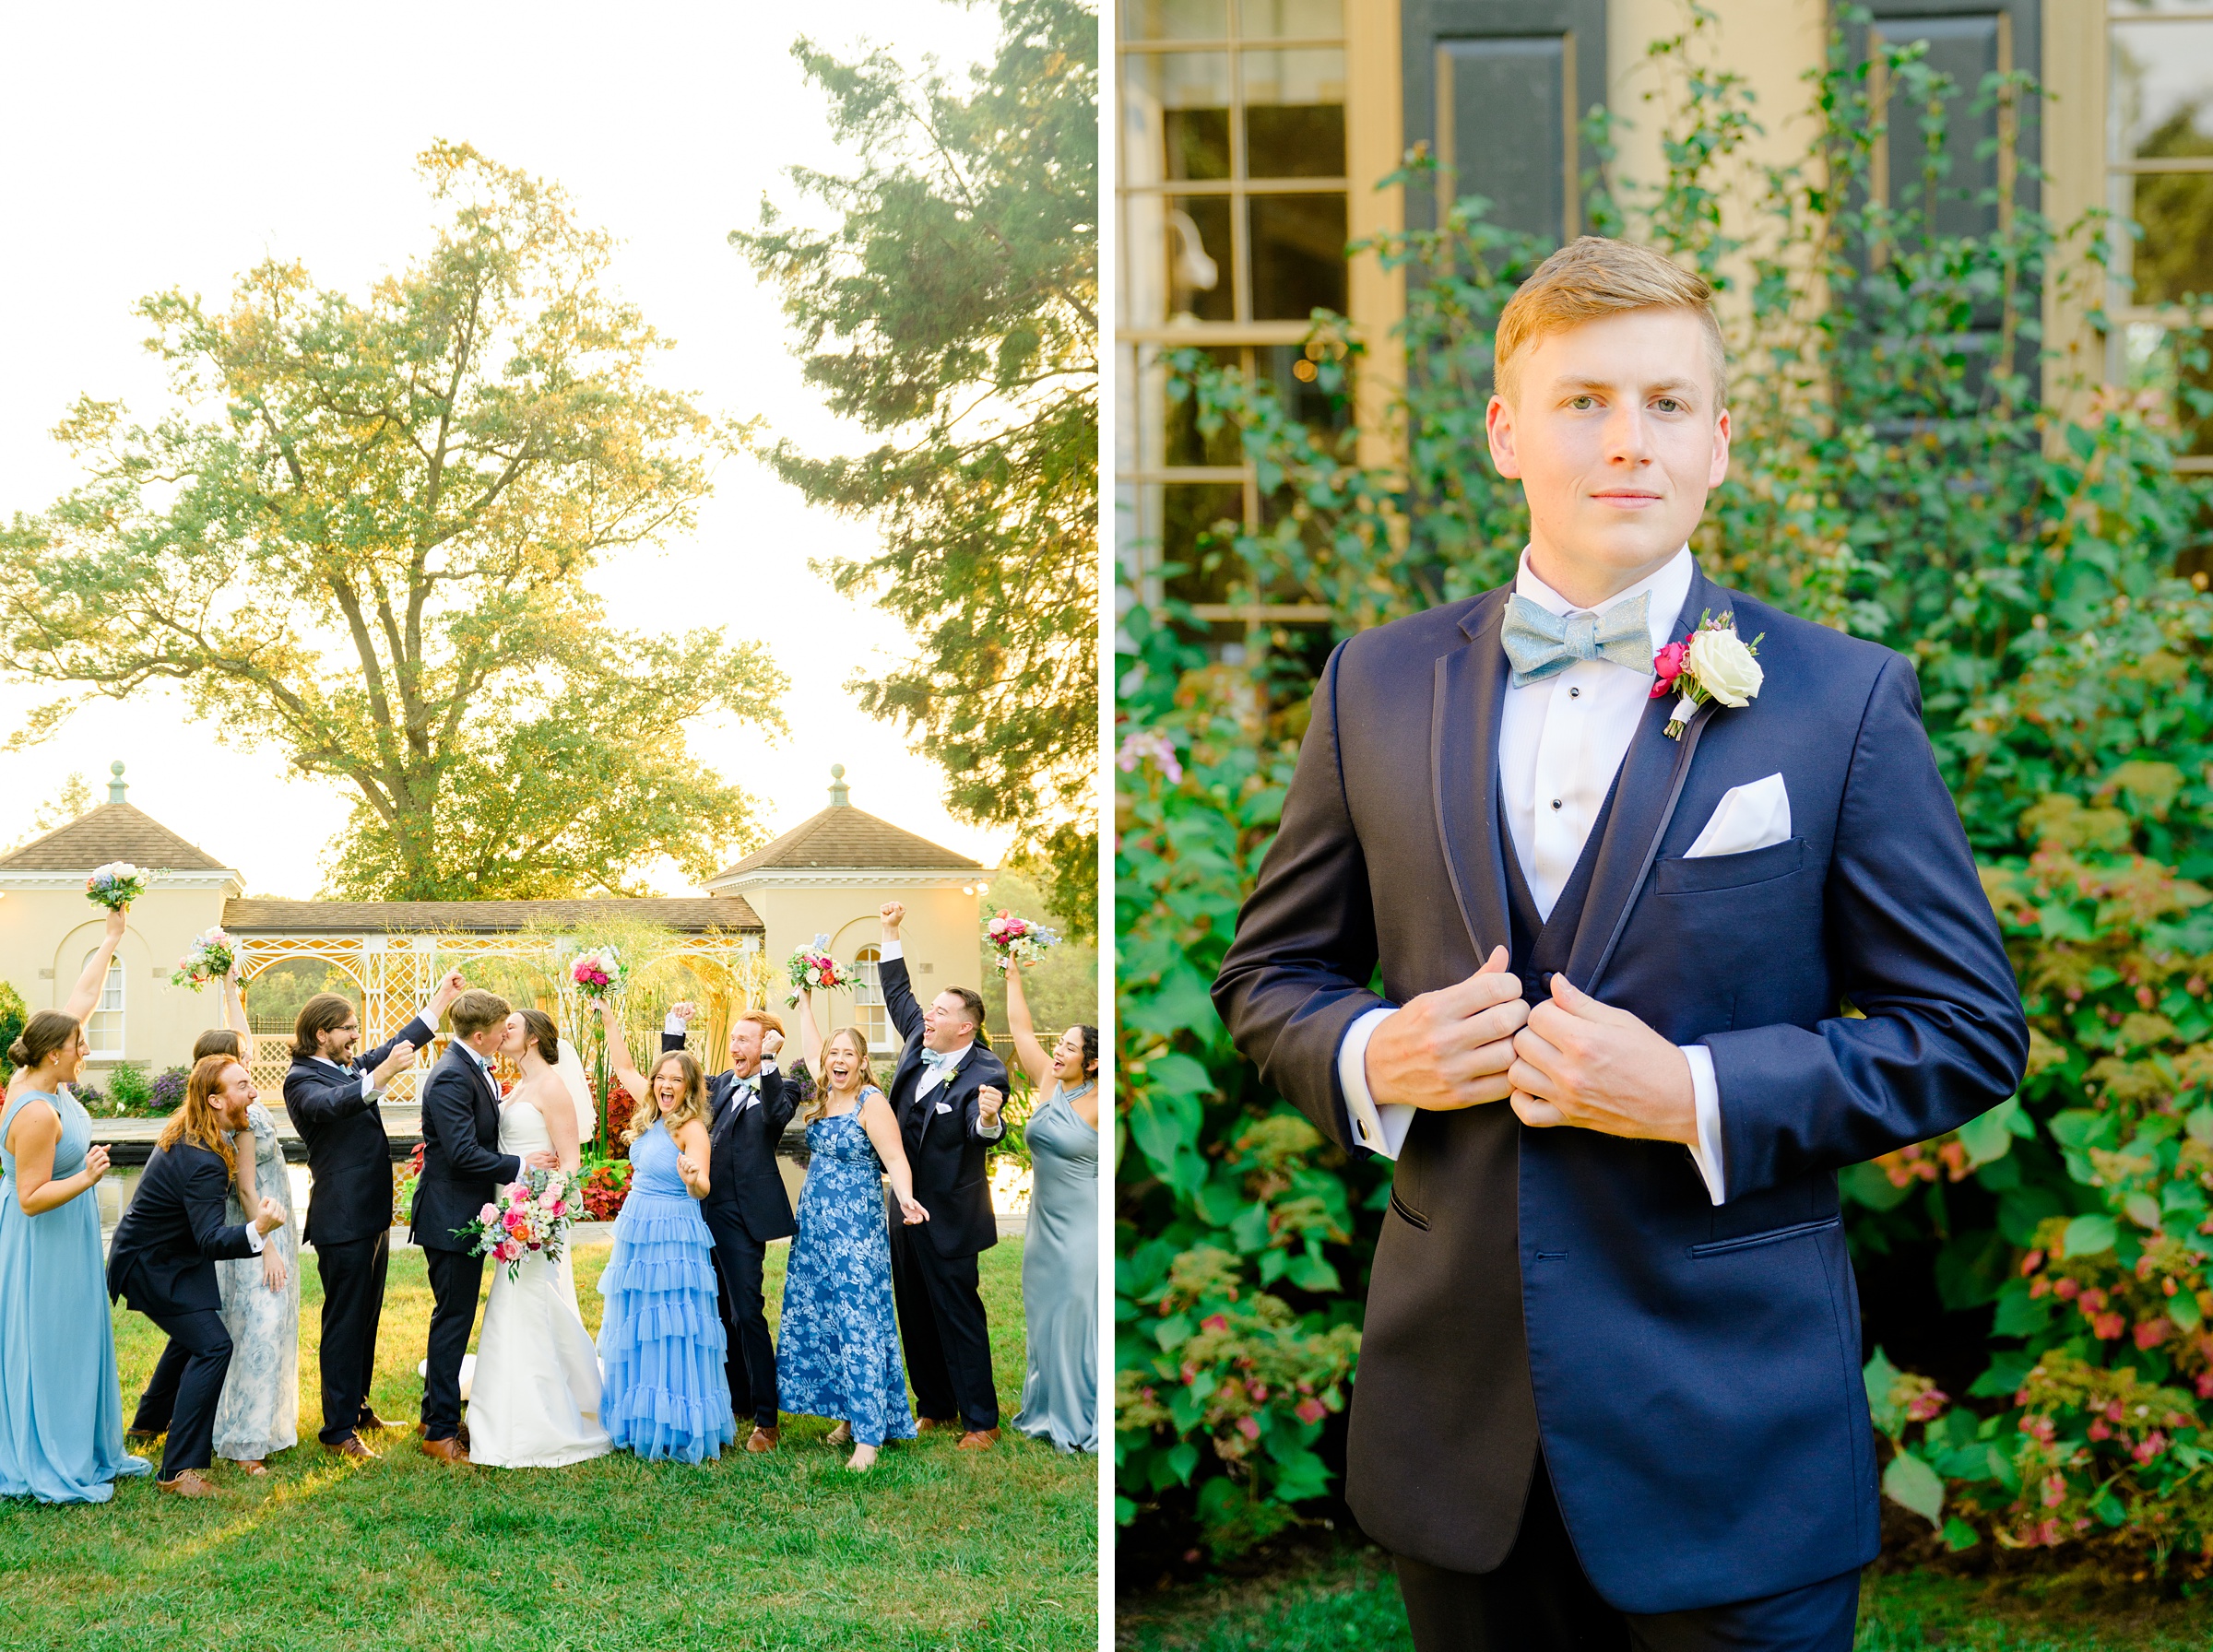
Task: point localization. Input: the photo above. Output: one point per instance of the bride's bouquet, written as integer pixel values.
(597, 973)
(530, 1218)
(211, 959)
(813, 967)
(116, 885)
(1018, 940)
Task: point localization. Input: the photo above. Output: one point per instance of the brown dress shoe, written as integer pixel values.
(188, 1483)
(979, 1439)
(352, 1447)
(446, 1451)
(761, 1439)
(374, 1420)
(925, 1425)
(461, 1433)
(140, 1436)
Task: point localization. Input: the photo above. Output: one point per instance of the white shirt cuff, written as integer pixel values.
(891, 949)
(370, 1088)
(1379, 1128)
(991, 1132)
(1705, 1095)
(254, 1237)
(677, 1025)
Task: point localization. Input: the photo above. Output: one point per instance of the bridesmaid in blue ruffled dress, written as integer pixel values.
(837, 1347)
(665, 1393)
(61, 1403)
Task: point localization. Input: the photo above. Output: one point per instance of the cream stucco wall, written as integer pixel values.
(46, 932)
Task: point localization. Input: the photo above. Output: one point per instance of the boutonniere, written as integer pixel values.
(1713, 663)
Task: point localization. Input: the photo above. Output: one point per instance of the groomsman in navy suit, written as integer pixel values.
(1654, 965)
(748, 1107)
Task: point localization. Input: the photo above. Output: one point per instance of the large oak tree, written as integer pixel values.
(361, 541)
(949, 303)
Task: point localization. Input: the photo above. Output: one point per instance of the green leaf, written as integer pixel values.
(2143, 1209)
(2182, 1308)
(1866, 1185)
(1183, 1456)
(2200, 1125)
(1303, 1476)
(1881, 1375)
(1990, 1135)
(2110, 1509)
(1959, 1535)
(1913, 1485)
(1313, 1273)
(2087, 1235)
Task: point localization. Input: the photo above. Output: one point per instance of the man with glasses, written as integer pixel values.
(332, 1096)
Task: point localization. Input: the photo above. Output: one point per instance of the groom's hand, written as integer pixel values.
(1581, 1062)
(1452, 1047)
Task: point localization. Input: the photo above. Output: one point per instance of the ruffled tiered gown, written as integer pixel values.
(661, 1342)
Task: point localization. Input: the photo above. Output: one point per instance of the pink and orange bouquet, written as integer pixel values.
(531, 1217)
(597, 973)
(1018, 940)
(117, 884)
(814, 968)
(211, 959)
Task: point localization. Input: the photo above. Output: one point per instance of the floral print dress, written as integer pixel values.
(259, 1412)
(837, 1348)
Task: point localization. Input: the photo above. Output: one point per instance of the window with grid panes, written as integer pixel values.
(1233, 200)
(103, 1027)
(2159, 174)
(867, 999)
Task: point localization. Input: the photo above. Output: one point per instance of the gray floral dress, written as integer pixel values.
(259, 1412)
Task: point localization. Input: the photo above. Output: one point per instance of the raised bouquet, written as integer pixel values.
(1019, 940)
(211, 959)
(813, 967)
(599, 972)
(116, 885)
(530, 1218)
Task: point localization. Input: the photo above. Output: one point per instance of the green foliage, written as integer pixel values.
(13, 1015)
(953, 307)
(362, 541)
(129, 1090)
(1895, 473)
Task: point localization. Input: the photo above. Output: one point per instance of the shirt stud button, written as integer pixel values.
(1555, 803)
(1575, 694)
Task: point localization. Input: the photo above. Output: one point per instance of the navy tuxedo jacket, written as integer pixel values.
(462, 1165)
(1695, 1369)
(743, 1183)
(943, 1149)
(349, 1151)
(164, 1256)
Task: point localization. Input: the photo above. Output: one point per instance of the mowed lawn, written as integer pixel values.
(1350, 1598)
(934, 1548)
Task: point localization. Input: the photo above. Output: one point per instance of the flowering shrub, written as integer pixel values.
(166, 1094)
(604, 1188)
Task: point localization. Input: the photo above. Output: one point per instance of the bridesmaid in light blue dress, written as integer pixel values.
(837, 1338)
(1061, 1252)
(61, 1405)
(666, 1392)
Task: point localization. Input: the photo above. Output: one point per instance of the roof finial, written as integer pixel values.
(116, 787)
(837, 786)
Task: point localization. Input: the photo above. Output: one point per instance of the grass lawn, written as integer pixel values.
(934, 1548)
(1350, 1598)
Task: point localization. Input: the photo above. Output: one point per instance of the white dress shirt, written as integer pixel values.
(932, 1077)
(1560, 742)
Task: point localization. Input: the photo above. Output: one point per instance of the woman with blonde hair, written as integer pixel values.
(661, 1341)
(837, 1352)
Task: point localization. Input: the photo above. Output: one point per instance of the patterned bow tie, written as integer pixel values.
(1539, 643)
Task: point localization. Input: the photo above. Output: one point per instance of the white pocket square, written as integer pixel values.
(945, 1106)
(1755, 816)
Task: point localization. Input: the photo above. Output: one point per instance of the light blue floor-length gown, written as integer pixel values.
(61, 1404)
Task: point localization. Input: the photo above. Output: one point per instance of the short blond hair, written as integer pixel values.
(1592, 277)
(476, 1010)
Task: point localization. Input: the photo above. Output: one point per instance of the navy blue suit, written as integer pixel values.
(1563, 1300)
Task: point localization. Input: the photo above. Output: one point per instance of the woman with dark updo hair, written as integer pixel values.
(61, 1404)
(1061, 1252)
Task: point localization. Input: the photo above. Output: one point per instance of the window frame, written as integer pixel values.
(869, 1012)
(112, 985)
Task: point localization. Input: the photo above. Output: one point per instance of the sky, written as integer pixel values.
(150, 146)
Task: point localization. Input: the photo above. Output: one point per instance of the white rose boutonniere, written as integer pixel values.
(1715, 663)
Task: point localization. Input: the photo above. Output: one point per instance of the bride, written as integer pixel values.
(534, 1395)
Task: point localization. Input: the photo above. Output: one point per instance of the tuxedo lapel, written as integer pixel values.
(1467, 702)
(1650, 784)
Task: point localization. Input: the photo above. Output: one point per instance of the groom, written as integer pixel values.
(332, 1097)
(1642, 998)
(462, 1167)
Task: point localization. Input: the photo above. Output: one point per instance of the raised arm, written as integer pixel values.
(878, 1120)
(899, 1002)
(1034, 1058)
(85, 998)
(810, 1036)
(618, 1055)
(235, 1013)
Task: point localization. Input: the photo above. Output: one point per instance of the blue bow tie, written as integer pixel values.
(1539, 643)
(939, 1061)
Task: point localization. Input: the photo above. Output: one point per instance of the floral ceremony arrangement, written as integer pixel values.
(599, 972)
(1017, 940)
(812, 967)
(116, 885)
(211, 959)
(530, 1218)
(1713, 663)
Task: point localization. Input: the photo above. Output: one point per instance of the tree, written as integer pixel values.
(361, 541)
(952, 307)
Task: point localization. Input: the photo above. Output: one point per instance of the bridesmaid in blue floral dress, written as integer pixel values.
(837, 1345)
(61, 1405)
(661, 1344)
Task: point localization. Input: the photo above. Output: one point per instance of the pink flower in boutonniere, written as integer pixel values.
(1667, 664)
(1713, 663)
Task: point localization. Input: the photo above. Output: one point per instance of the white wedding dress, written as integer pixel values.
(533, 1394)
